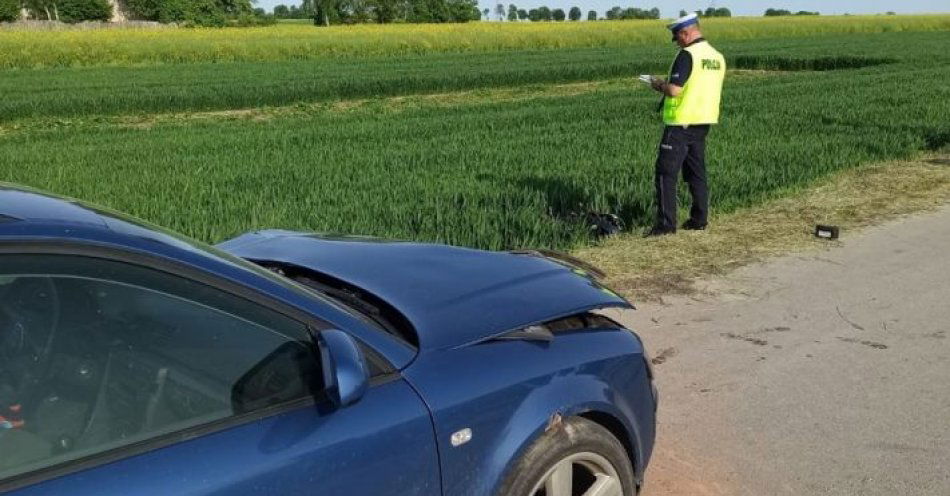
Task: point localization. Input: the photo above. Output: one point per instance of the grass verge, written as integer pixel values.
(645, 269)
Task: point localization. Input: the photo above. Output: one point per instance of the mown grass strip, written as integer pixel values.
(648, 269)
(364, 106)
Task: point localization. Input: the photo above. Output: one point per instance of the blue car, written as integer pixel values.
(134, 361)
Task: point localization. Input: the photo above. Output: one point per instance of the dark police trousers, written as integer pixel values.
(682, 148)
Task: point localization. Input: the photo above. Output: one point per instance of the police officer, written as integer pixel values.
(690, 105)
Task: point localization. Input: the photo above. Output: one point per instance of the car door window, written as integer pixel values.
(96, 355)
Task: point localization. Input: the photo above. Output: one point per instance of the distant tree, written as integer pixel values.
(486, 12)
(683, 13)
(512, 12)
(462, 10)
(634, 13)
(42, 9)
(558, 15)
(233, 6)
(321, 12)
(306, 9)
(500, 12)
(806, 13)
(70, 10)
(534, 15)
(574, 14)
(9, 10)
(362, 13)
(777, 12)
(614, 13)
(592, 15)
(281, 11)
(383, 11)
(720, 12)
(83, 10)
(522, 14)
(891, 12)
(545, 13)
(421, 12)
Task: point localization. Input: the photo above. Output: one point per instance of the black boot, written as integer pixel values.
(691, 225)
(659, 231)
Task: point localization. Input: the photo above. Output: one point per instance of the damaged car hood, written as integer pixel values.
(452, 296)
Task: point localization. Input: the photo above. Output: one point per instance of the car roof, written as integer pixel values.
(75, 219)
(17, 203)
(30, 215)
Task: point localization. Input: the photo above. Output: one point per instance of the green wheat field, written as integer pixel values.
(493, 136)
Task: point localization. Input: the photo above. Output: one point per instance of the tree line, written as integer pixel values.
(59, 10)
(783, 12)
(329, 12)
(513, 13)
(186, 12)
(542, 14)
(199, 12)
(710, 12)
(323, 12)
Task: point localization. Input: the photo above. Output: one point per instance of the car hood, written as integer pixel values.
(452, 296)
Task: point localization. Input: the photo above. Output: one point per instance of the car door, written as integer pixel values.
(116, 378)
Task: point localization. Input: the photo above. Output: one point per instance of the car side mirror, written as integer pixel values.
(345, 373)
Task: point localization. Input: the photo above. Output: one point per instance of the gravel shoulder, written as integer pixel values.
(819, 373)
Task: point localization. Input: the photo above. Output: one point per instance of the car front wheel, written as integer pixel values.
(576, 457)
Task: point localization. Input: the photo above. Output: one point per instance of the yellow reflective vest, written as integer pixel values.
(699, 101)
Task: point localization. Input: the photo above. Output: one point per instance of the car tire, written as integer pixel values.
(579, 447)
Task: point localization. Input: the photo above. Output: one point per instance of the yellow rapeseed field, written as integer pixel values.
(137, 46)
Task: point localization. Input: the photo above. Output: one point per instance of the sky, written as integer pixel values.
(738, 7)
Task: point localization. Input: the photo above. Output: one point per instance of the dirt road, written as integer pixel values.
(820, 374)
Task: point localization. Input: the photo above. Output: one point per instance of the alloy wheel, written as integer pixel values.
(580, 474)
